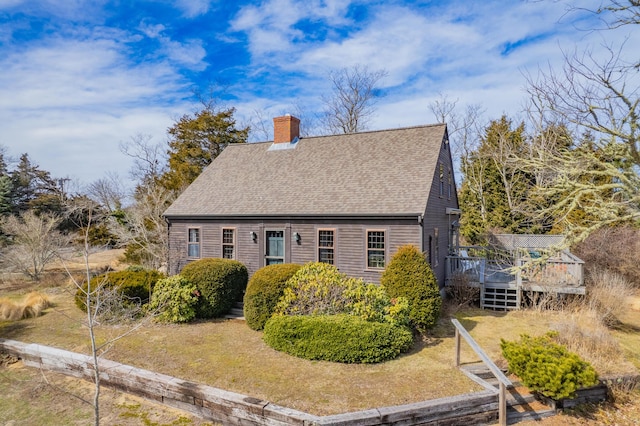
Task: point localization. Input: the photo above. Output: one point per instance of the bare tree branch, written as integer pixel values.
(351, 104)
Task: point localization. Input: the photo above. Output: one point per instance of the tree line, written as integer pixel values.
(569, 166)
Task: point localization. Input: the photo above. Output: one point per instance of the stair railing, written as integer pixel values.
(504, 382)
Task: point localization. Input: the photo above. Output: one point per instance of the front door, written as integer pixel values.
(274, 250)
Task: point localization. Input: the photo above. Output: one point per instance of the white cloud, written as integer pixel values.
(69, 102)
(192, 8)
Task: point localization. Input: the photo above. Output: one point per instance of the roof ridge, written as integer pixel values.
(421, 126)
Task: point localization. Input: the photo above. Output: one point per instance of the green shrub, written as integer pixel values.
(174, 299)
(134, 285)
(337, 338)
(220, 282)
(409, 275)
(320, 289)
(264, 290)
(547, 367)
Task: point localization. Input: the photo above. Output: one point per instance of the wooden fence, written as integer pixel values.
(232, 408)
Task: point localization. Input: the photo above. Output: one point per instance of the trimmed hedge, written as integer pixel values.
(547, 367)
(409, 275)
(337, 338)
(135, 285)
(174, 299)
(265, 288)
(221, 283)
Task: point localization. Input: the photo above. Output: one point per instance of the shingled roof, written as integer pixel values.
(383, 173)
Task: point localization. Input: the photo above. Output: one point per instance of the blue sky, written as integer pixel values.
(79, 77)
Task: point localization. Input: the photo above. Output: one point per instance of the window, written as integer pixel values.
(375, 249)
(228, 243)
(326, 246)
(441, 174)
(193, 245)
(450, 185)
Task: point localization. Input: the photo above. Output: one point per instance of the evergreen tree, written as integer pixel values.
(33, 188)
(495, 188)
(195, 141)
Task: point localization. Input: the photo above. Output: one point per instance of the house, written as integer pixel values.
(350, 200)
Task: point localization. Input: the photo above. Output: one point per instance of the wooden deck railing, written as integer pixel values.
(503, 380)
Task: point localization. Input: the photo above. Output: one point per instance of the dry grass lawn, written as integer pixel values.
(229, 355)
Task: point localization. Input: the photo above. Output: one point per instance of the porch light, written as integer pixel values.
(296, 237)
(253, 235)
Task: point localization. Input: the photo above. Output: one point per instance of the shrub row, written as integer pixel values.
(337, 338)
(207, 288)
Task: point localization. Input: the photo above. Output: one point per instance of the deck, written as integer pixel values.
(505, 276)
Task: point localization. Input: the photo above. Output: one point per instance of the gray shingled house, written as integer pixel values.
(350, 200)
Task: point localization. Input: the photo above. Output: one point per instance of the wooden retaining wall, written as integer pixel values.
(231, 408)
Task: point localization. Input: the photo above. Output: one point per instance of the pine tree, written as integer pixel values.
(196, 141)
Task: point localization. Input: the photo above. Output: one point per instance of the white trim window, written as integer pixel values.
(228, 243)
(375, 249)
(326, 246)
(193, 243)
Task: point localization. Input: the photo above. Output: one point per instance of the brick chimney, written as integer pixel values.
(285, 129)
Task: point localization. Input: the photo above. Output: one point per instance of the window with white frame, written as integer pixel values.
(375, 249)
(228, 243)
(326, 246)
(193, 243)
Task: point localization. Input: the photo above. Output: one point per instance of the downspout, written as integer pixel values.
(421, 223)
(168, 244)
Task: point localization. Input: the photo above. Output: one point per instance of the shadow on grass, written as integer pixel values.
(625, 327)
(445, 329)
(12, 329)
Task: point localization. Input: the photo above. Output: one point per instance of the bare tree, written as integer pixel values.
(35, 242)
(144, 227)
(101, 302)
(108, 192)
(351, 104)
(464, 129)
(599, 97)
(150, 159)
(615, 13)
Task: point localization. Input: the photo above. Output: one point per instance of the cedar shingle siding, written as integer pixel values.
(382, 180)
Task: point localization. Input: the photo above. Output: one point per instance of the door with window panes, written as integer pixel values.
(274, 247)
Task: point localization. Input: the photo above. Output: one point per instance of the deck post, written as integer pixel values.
(457, 348)
(502, 405)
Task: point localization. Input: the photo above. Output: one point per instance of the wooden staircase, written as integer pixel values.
(500, 296)
(521, 404)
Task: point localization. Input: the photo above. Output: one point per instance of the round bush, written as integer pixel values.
(547, 367)
(337, 338)
(221, 283)
(409, 275)
(135, 285)
(174, 299)
(264, 290)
